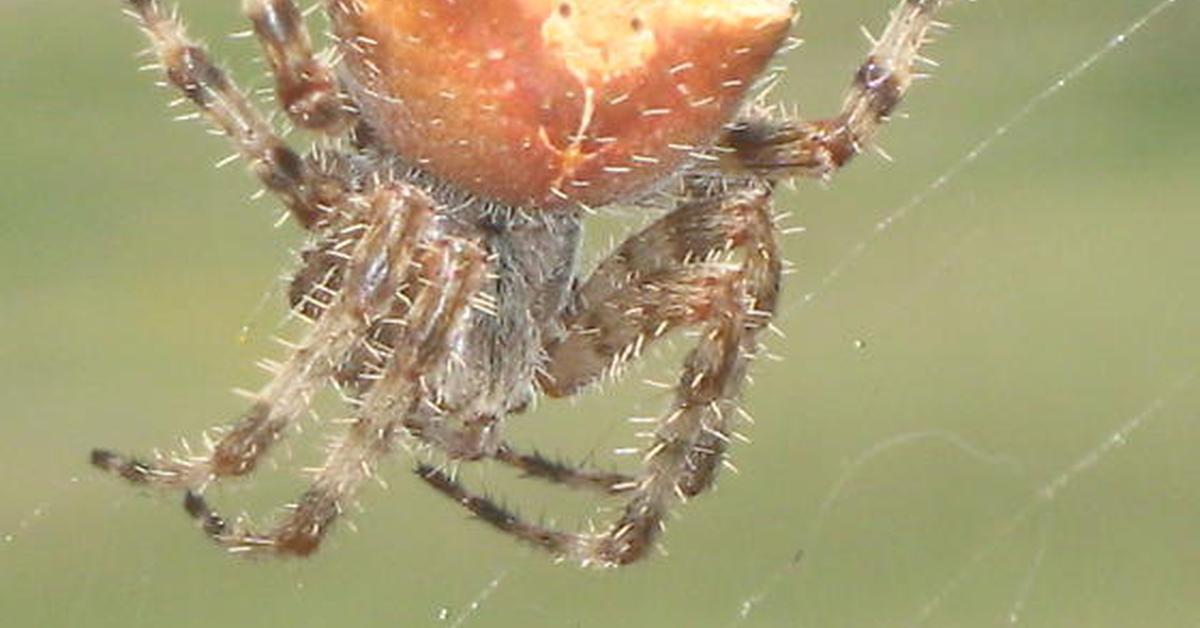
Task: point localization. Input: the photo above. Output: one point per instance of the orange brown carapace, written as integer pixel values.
(549, 104)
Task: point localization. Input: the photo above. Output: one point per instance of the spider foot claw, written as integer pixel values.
(197, 507)
(129, 468)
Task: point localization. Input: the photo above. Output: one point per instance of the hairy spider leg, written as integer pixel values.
(536, 465)
(309, 196)
(695, 231)
(377, 260)
(304, 83)
(766, 146)
(451, 272)
(648, 291)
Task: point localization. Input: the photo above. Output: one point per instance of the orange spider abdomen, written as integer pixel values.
(550, 103)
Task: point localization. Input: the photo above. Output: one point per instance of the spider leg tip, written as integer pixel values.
(197, 507)
(195, 504)
(103, 458)
(113, 462)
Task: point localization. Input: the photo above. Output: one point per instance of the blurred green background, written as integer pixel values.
(992, 340)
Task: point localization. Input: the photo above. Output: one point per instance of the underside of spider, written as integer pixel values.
(463, 145)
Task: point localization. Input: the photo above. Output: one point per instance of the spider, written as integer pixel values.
(464, 144)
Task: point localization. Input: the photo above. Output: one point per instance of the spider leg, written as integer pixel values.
(769, 147)
(378, 260)
(695, 231)
(604, 330)
(307, 194)
(535, 465)
(450, 276)
(680, 283)
(305, 85)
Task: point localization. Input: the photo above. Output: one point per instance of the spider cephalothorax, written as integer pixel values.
(465, 141)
